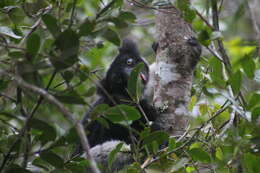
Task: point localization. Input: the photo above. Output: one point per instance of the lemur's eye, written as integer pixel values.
(129, 61)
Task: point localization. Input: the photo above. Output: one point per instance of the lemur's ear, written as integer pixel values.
(129, 47)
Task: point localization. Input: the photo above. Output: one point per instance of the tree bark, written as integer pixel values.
(177, 53)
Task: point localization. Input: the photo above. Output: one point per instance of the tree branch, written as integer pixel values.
(72, 13)
(176, 57)
(80, 130)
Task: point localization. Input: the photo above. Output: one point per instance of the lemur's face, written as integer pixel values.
(122, 67)
(130, 63)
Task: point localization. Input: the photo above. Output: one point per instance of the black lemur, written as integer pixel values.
(102, 139)
(113, 90)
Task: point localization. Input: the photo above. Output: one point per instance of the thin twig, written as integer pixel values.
(9, 124)
(99, 14)
(59, 11)
(229, 124)
(12, 147)
(192, 161)
(41, 97)
(215, 53)
(205, 20)
(11, 46)
(220, 5)
(33, 28)
(221, 49)
(26, 150)
(8, 97)
(215, 21)
(72, 13)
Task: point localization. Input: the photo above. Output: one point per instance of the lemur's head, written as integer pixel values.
(119, 71)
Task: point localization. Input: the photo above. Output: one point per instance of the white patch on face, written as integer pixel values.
(167, 73)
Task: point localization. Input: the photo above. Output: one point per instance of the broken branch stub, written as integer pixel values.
(177, 55)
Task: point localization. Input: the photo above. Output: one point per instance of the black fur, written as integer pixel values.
(115, 84)
(196, 51)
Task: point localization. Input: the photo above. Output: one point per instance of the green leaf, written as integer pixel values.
(126, 15)
(112, 154)
(121, 113)
(204, 37)
(71, 98)
(221, 118)
(75, 167)
(112, 36)
(187, 12)
(16, 54)
(40, 163)
(67, 75)
(254, 100)
(16, 15)
(68, 44)
(118, 3)
(68, 39)
(61, 170)
(3, 84)
(91, 91)
(189, 15)
(198, 154)
(172, 144)
(251, 163)
(219, 153)
(133, 170)
(99, 110)
(255, 113)
(86, 28)
(158, 136)
(52, 159)
(16, 168)
(134, 83)
(47, 44)
(48, 131)
(204, 109)
(51, 24)
(33, 44)
(235, 81)
(249, 66)
(190, 169)
(71, 136)
(216, 74)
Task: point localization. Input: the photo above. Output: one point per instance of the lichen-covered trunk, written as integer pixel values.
(177, 54)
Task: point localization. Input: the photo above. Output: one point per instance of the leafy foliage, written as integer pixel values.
(62, 46)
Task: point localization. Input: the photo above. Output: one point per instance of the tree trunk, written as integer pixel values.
(177, 53)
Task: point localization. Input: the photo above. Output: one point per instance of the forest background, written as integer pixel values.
(65, 46)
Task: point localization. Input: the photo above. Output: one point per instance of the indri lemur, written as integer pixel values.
(102, 139)
(115, 84)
